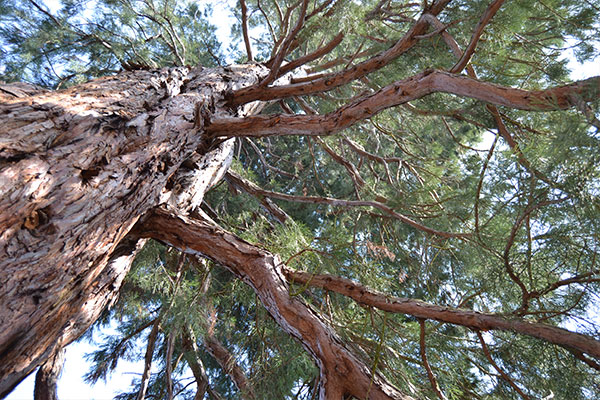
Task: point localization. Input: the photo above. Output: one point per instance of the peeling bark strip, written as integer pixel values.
(401, 92)
(342, 372)
(78, 167)
(457, 316)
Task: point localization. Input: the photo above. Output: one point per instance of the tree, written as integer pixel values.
(409, 191)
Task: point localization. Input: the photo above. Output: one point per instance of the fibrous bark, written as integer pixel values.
(78, 167)
(468, 318)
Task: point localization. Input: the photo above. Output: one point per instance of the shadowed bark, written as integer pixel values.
(47, 376)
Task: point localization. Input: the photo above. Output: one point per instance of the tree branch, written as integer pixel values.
(401, 92)
(423, 352)
(148, 360)
(483, 21)
(262, 271)
(244, 9)
(467, 318)
(228, 363)
(331, 81)
(503, 374)
(352, 203)
(312, 56)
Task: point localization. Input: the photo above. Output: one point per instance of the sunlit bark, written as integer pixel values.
(78, 167)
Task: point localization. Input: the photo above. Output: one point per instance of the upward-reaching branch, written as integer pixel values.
(333, 80)
(244, 10)
(483, 21)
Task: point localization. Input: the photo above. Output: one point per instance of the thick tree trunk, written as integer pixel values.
(77, 169)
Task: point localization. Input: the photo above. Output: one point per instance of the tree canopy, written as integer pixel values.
(424, 174)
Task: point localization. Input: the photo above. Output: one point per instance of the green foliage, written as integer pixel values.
(86, 40)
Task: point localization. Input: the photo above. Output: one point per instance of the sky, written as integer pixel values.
(71, 385)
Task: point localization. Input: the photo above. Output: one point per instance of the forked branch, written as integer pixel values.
(341, 372)
(333, 80)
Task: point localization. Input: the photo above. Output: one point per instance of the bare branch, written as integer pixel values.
(401, 92)
(334, 80)
(312, 56)
(169, 365)
(275, 63)
(483, 21)
(195, 363)
(229, 365)
(148, 359)
(467, 318)
(244, 9)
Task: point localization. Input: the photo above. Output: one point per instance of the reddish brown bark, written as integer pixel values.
(401, 92)
(229, 365)
(78, 167)
(46, 379)
(467, 318)
(341, 372)
(333, 80)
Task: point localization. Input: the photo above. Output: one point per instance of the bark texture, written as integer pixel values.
(468, 318)
(78, 167)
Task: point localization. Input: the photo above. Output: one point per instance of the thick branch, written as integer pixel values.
(457, 316)
(401, 92)
(262, 271)
(47, 376)
(491, 108)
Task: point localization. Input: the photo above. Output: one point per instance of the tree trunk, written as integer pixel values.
(78, 168)
(47, 376)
